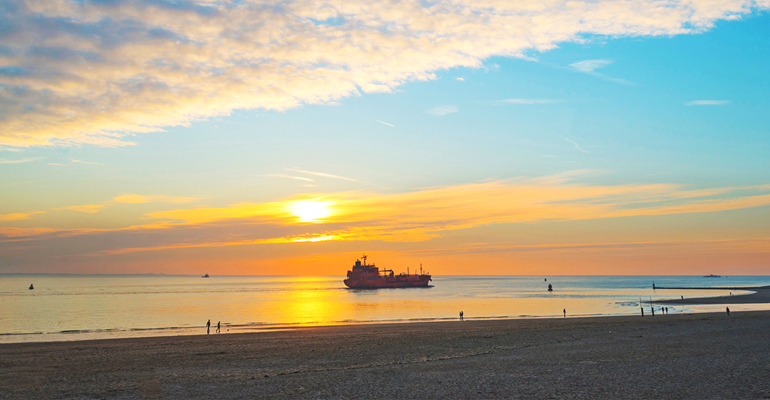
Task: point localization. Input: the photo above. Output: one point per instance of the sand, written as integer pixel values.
(695, 356)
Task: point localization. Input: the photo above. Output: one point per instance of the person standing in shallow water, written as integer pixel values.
(218, 322)
(461, 315)
(565, 313)
(208, 326)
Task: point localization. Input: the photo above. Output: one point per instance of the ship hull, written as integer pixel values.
(384, 283)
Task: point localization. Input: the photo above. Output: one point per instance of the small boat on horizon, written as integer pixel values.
(205, 276)
(712, 276)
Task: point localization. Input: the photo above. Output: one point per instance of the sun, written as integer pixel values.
(310, 210)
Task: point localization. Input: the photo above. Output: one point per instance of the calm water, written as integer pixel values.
(86, 307)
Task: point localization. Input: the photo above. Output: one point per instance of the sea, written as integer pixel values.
(82, 307)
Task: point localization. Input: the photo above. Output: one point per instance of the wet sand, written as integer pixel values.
(689, 356)
(760, 295)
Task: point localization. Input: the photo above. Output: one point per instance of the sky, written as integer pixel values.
(478, 137)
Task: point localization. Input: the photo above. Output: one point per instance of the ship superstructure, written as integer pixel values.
(368, 276)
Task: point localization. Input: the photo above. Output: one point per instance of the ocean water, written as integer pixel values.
(78, 307)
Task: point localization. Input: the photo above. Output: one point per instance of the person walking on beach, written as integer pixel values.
(208, 326)
(218, 326)
(565, 313)
(728, 311)
(461, 315)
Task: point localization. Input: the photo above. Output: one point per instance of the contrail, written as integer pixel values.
(323, 174)
(577, 146)
(384, 123)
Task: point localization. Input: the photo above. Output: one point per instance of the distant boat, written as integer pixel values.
(31, 287)
(712, 276)
(205, 276)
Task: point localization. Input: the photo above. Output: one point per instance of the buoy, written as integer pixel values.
(31, 287)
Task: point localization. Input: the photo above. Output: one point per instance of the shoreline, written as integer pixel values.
(678, 356)
(761, 295)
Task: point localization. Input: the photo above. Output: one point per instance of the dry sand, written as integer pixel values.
(695, 356)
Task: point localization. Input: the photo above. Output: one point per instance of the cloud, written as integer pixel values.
(130, 199)
(60, 165)
(590, 65)
(438, 213)
(297, 178)
(86, 162)
(707, 103)
(440, 111)
(20, 161)
(577, 146)
(323, 174)
(527, 101)
(18, 216)
(86, 208)
(93, 72)
(384, 123)
(138, 199)
(460, 79)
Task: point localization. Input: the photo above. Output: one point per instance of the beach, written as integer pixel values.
(686, 356)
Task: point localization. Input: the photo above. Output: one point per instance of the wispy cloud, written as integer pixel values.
(384, 123)
(323, 174)
(297, 178)
(460, 79)
(440, 111)
(20, 161)
(81, 82)
(18, 216)
(590, 65)
(528, 101)
(707, 103)
(577, 146)
(139, 199)
(86, 162)
(85, 208)
(60, 165)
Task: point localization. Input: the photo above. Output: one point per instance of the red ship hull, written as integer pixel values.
(399, 281)
(368, 276)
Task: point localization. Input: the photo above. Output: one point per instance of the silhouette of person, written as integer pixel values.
(728, 311)
(565, 313)
(218, 326)
(682, 297)
(461, 315)
(666, 310)
(208, 326)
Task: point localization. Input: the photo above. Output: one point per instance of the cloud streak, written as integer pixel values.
(323, 174)
(577, 146)
(707, 103)
(384, 123)
(440, 111)
(20, 161)
(590, 65)
(528, 101)
(87, 72)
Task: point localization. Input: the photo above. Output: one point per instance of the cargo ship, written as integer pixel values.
(367, 276)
